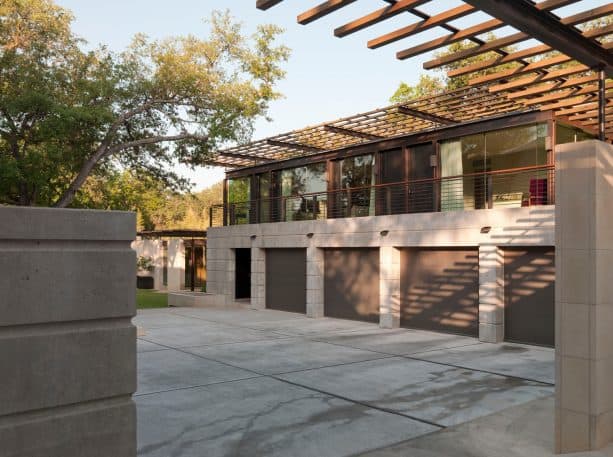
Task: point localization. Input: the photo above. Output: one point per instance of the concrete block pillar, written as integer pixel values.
(491, 294)
(176, 265)
(389, 287)
(67, 344)
(584, 296)
(315, 282)
(258, 278)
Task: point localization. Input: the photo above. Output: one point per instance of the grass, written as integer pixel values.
(147, 299)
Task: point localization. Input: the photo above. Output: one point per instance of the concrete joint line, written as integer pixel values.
(58, 328)
(357, 402)
(101, 404)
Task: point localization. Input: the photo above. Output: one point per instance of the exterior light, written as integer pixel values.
(486, 229)
(309, 235)
(253, 237)
(384, 232)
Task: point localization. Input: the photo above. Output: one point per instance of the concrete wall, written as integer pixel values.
(67, 344)
(584, 296)
(508, 227)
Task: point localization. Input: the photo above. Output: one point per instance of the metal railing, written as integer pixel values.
(528, 186)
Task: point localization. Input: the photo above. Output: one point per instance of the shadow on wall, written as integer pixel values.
(439, 289)
(351, 287)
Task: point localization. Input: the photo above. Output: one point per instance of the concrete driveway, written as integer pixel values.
(229, 382)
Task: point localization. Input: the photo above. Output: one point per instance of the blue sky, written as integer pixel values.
(326, 77)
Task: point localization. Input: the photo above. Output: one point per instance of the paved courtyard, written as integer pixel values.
(230, 382)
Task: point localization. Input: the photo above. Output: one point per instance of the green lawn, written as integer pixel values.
(151, 299)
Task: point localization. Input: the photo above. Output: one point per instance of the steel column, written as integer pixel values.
(602, 103)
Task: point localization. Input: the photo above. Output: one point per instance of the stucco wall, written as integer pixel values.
(67, 344)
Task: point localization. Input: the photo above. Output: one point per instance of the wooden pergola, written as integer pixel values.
(448, 108)
(566, 72)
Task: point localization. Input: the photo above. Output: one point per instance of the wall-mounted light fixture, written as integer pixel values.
(253, 237)
(486, 229)
(309, 235)
(384, 232)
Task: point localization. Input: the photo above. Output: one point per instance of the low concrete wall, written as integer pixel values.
(67, 344)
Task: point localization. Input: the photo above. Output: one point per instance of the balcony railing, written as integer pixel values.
(528, 186)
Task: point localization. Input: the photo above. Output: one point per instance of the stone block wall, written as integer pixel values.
(67, 344)
(532, 226)
(584, 296)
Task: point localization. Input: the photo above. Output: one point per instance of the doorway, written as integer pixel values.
(242, 278)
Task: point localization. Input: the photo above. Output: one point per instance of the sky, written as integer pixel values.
(327, 77)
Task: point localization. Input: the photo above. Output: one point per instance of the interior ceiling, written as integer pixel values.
(534, 59)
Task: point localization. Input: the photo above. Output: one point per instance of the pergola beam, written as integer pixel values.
(265, 4)
(322, 10)
(377, 16)
(235, 155)
(547, 28)
(426, 116)
(297, 146)
(354, 133)
(421, 26)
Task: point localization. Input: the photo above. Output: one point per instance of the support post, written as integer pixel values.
(602, 103)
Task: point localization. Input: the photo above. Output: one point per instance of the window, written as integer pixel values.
(239, 194)
(354, 177)
(304, 192)
(568, 134)
(466, 161)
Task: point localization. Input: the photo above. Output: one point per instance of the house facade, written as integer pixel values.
(449, 229)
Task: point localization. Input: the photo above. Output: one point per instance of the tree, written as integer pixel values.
(67, 114)
(427, 85)
(156, 206)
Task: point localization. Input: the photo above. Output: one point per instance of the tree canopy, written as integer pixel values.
(67, 114)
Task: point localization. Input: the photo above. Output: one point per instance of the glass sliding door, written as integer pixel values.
(239, 196)
(303, 192)
(355, 194)
(466, 164)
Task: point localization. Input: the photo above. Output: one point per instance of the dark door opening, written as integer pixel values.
(242, 283)
(195, 265)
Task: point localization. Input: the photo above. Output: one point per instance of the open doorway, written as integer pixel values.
(242, 279)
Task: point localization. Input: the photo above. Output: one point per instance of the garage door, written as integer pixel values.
(529, 310)
(351, 289)
(286, 280)
(439, 290)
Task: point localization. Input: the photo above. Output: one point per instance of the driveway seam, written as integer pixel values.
(330, 394)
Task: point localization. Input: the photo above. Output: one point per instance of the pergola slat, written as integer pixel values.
(529, 18)
(518, 37)
(426, 116)
(322, 10)
(421, 26)
(265, 4)
(377, 16)
(350, 132)
(469, 32)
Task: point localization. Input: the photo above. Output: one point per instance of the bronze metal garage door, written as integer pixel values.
(439, 289)
(351, 289)
(529, 309)
(286, 280)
